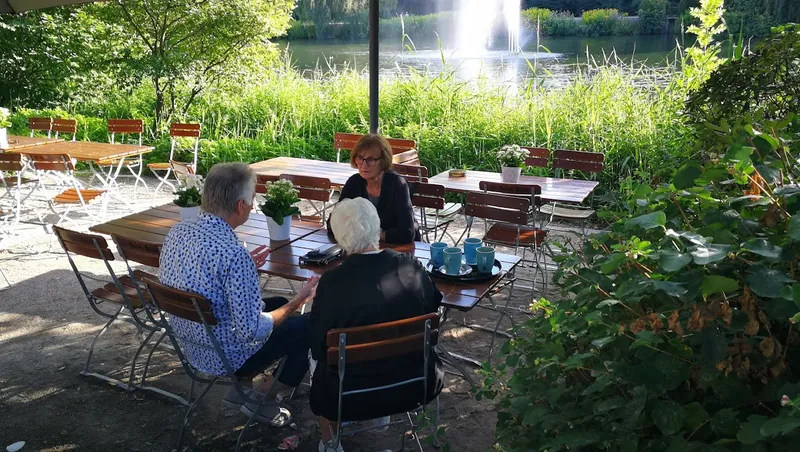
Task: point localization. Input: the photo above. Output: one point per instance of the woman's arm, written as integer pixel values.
(405, 230)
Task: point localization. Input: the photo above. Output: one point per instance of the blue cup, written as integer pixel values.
(452, 260)
(436, 253)
(485, 257)
(470, 245)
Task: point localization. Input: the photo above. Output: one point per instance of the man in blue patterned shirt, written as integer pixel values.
(204, 256)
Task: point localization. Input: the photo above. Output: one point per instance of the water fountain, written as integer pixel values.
(476, 19)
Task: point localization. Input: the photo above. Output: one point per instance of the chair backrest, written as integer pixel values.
(309, 187)
(410, 158)
(531, 191)
(50, 162)
(384, 340)
(181, 170)
(412, 173)
(140, 251)
(261, 182)
(10, 161)
(42, 124)
(65, 126)
(178, 303)
(179, 130)
(88, 245)
(504, 208)
(428, 196)
(537, 157)
(347, 141)
(125, 127)
(579, 160)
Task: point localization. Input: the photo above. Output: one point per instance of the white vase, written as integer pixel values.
(189, 213)
(279, 231)
(3, 138)
(510, 174)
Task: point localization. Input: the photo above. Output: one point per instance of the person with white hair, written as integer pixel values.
(369, 287)
(204, 256)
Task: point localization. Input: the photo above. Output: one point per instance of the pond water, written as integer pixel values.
(557, 61)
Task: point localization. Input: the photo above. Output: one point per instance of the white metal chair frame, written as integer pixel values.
(110, 169)
(176, 134)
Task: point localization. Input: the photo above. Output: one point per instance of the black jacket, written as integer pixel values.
(394, 208)
(367, 289)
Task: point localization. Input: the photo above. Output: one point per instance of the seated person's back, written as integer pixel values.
(368, 288)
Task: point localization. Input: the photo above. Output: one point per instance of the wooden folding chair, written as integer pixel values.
(11, 170)
(40, 124)
(191, 307)
(537, 157)
(574, 162)
(314, 190)
(121, 293)
(68, 190)
(65, 126)
(177, 132)
(400, 147)
(419, 174)
(430, 197)
(365, 345)
(118, 130)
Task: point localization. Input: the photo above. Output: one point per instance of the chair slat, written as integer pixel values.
(347, 141)
(580, 156)
(427, 202)
(542, 153)
(261, 181)
(179, 303)
(10, 162)
(381, 350)
(510, 189)
(430, 190)
(309, 187)
(536, 162)
(125, 126)
(184, 130)
(493, 213)
(50, 162)
(84, 244)
(409, 158)
(506, 202)
(65, 126)
(382, 331)
(145, 253)
(593, 167)
(35, 123)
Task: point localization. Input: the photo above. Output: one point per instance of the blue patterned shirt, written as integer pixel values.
(204, 256)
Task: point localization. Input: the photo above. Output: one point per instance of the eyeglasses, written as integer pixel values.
(369, 161)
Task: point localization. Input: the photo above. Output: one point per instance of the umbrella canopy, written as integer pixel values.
(18, 6)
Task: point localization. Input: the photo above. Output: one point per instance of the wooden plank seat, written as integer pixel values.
(159, 165)
(74, 195)
(505, 234)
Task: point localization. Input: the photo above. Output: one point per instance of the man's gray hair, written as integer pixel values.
(226, 185)
(356, 225)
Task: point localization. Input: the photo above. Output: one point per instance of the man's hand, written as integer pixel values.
(307, 292)
(259, 255)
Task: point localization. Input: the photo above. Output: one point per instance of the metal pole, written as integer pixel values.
(374, 19)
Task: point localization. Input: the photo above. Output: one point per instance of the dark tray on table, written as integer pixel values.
(472, 276)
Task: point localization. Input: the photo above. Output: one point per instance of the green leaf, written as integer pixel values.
(779, 426)
(607, 405)
(715, 284)
(686, 176)
(763, 247)
(694, 415)
(672, 260)
(646, 337)
(767, 282)
(534, 415)
(670, 288)
(605, 303)
(750, 433)
(794, 227)
(648, 221)
(668, 417)
(724, 422)
(704, 255)
(599, 343)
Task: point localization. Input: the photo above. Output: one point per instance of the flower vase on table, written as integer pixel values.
(4, 123)
(279, 206)
(512, 159)
(189, 196)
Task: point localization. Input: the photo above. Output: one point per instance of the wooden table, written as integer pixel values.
(153, 225)
(20, 142)
(338, 173)
(87, 151)
(553, 189)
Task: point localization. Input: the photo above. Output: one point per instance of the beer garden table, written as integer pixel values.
(17, 142)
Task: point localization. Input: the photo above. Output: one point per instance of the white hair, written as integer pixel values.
(226, 185)
(356, 225)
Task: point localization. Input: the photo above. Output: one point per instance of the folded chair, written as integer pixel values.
(591, 163)
(11, 170)
(118, 130)
(120, 295)
(66, 192)
(362, 345)
(177, 131)
(40, 124)
(193, 307)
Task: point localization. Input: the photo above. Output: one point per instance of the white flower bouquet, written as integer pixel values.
(512, 156)
(190, 194)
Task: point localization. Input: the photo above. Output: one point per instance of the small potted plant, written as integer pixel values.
(512, 159)
(4, 123)
(279, 206)
(189, 196)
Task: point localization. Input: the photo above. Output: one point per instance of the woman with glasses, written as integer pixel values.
(384, 188)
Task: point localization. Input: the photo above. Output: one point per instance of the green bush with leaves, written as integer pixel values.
(679, 329)
(652, 17)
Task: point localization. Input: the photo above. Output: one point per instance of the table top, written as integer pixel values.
(553, 189)
(153, 225)
(88, 151)
(21, 142)
(284, 261)
(338, 173)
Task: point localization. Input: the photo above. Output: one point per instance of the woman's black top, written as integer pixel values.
(394, 207)
(367, 289)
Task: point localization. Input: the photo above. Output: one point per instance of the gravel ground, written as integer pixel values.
(46, 327)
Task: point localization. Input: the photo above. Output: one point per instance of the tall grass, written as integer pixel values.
(621, 111)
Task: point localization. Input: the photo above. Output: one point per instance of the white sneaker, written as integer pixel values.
(326, 448)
